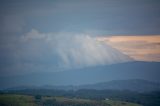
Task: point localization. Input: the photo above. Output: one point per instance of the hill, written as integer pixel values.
(136, 85)
(90, 75)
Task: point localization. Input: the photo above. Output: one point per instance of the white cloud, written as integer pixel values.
(38, 52)
(34, 34)
(78, 50)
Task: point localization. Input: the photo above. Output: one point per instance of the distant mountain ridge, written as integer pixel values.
(137, 85)
(149, 71)
(132, 85)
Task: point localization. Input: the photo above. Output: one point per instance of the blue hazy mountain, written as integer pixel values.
(132, 70)
(137, 85)
(132, 85)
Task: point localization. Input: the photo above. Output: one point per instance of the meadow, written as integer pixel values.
(38, 100)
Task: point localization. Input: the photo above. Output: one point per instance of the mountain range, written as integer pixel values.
(137, 85)
(113, 76)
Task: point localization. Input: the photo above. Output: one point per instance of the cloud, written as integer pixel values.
(77, 50)
(83, 50)
(140, 48)
(37, 52)
(33, 34)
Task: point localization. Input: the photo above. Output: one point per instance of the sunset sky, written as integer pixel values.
(57, 35)
(138, 47)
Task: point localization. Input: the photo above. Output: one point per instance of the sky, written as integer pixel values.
(139, 48)
(57, 35)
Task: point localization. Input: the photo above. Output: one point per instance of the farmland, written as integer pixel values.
(25, 100)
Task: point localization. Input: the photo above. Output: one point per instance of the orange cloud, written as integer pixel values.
(140, 48)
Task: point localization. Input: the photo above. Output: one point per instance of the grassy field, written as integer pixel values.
(24, 100)
(16, 100)
(120, 103)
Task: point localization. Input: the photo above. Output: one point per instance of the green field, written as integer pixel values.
(16, 100)
(24, 100)
(120, 103)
